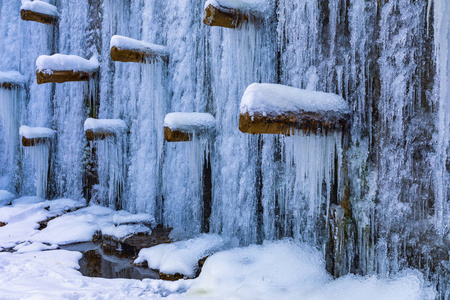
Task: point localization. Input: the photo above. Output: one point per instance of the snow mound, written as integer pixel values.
(24, 214)
(12, 77)
(182, 257)
(269, 99)
(5, 197)
(124, 217)
(284, 270)
(243, 5)
(81, 225)
(36, 132)
(105, 125)
(33, 247)
(126, 43)
(40, 7)
(189, 121)
(62, 62)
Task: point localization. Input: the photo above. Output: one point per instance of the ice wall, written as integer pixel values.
(374, 198)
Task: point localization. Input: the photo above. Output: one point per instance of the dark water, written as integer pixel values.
(95, 263)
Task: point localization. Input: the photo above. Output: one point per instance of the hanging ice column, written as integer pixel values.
(37, 142)
(314, 119)
(442, 36)
(11, 84)
(146, 132)
(107, 140)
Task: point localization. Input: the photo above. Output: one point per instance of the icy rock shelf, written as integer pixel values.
(33, 136)
(126, 49)
(39, 11)
(273, 108)
(12, 79)
(179, 126)
(63, 68)
(101, 128)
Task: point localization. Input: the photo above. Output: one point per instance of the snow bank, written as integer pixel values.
(53, 275)
(267, 99)
(13, 77)
(105, 125)
(182, 257)
(40, 7)
(124, 217)
(81, 225)
(36, 132)
(61, 62)
(189, 121)
(243, 5)
(284, 270)
(126, 43)
(24, 215)
(33, 247)
(5, 197)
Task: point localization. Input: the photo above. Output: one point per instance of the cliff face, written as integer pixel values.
(374, 197)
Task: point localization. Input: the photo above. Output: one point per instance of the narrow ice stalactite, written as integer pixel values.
(146, 140)
(442, 173)
(9, 114)
(38, 146)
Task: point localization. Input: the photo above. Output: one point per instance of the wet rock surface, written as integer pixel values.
(96, 263)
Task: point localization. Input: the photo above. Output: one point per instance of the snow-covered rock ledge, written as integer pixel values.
(126, 49)
(11, 79)
(280, 109)
(180, 126)
(39, 11)
(99, 129)
(232, 13)
(33, 136)
(61, 68)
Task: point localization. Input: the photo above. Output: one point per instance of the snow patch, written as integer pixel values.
(36, 132)
(267, 98)
(62, 62)
(182, 257)
(105, 125)
(126, 43)
(12, 77)
(40, 7)
(189, 121)
(5, 197)
(243, 5)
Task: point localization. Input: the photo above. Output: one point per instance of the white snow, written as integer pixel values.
(276, 270)
(33, 247)
(284, 270)
(182, 257)
(189, 121)
(126, 43)
(12, 77)
(36, 132)
(105, 125)
(123, 217)
(40, 7)
(267, 98)
(23, 216)
(5, 197)
(81, 225)
(244, 5)
(62, 62)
